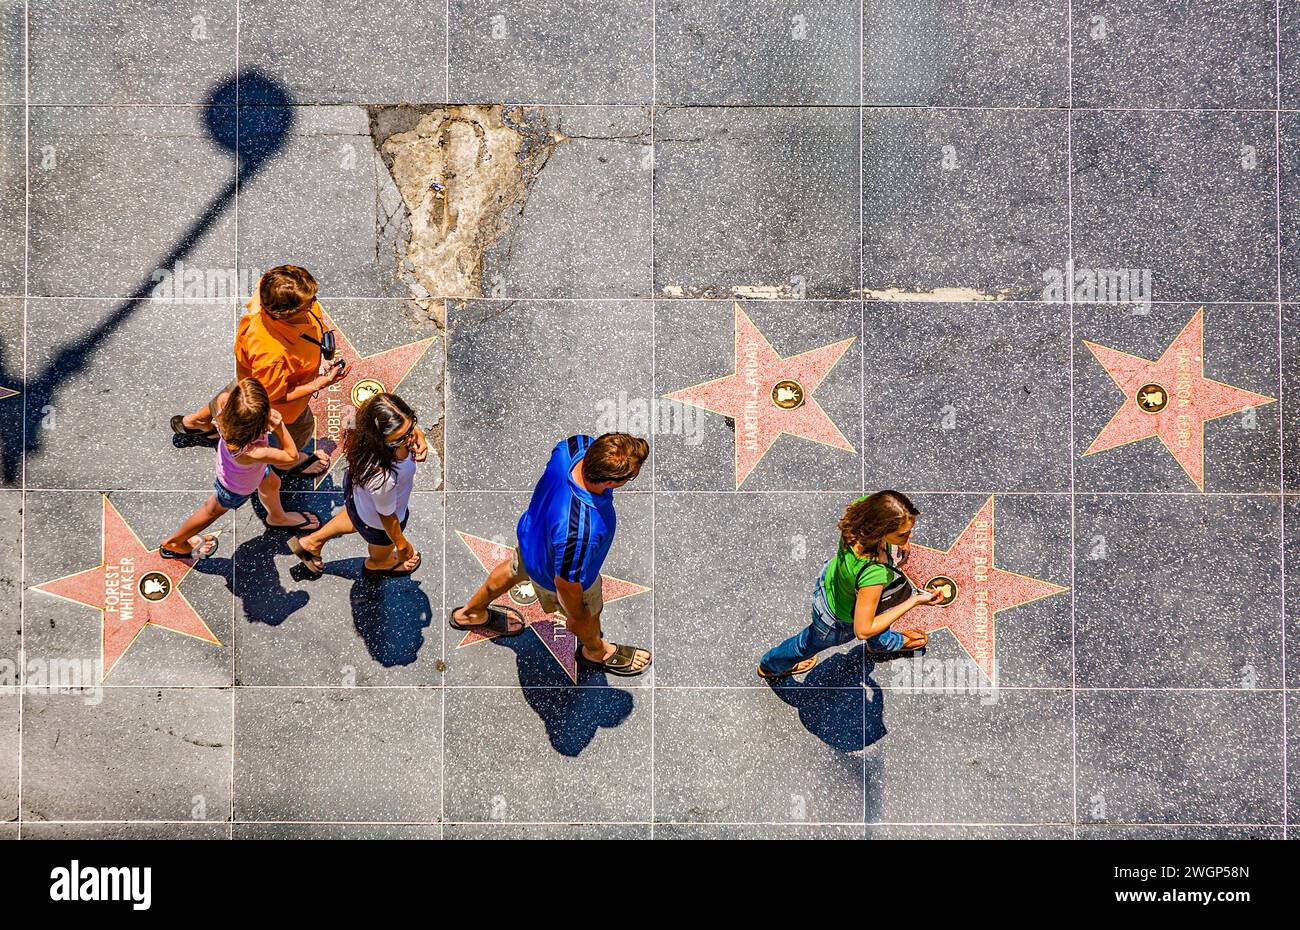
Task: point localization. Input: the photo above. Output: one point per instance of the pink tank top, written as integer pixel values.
(236, 478)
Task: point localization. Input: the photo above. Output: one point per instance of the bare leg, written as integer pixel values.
(385, 557)
(269, 493)
(500, 580)
(338, 525)
(198, 521)
(199, 419)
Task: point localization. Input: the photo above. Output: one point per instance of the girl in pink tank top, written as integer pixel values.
(245, 456)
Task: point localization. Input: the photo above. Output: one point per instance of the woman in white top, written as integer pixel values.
(381, 450)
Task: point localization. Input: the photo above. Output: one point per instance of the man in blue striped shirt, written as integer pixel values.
(564, 536)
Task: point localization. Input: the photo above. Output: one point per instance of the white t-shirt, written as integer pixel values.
(387, 494)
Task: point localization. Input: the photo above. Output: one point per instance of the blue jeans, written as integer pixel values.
(825, 631)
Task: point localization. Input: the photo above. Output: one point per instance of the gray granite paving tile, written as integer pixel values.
(326, 51)
(743, 53)
(1289, 47)
(965, 203)
(66, 538)
(1289, 203)
(547, 755)
(1191, 197)
(1291, 594)
(895, 831)
(129, 51)
(11, 579)
(734, 576)
(9, 831)
(549, 831)
(483, 526)
(1162, 53)
(340, 629)
(753, 756)
(137, 754)
(11, 392)
(697, 449)
(13, 205)
(757, 831)
(338, 754)
(125, 831)
(969, 758)
(98, 418)
(1240, 349)
(1292, 750)
(997, 53)
(1154, 571)
(337, 831)
(584, 230)
(561, 51)
(316, 202)
(121, 194)
(13, 48)
(525, 375)
(1179, 757)
(756, 202)
(9, 740)
(967, 396)
(1160, 832)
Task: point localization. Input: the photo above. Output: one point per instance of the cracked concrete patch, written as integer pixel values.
(937, 294)
(460, 173)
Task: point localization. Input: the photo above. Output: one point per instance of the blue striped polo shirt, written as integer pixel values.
(566, 532)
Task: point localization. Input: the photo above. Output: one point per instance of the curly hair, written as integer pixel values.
(867, 522)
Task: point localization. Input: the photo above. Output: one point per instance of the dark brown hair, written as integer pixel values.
(286, 291)
(868, 521)
(365, 445)
(246, 415)
(614, 457)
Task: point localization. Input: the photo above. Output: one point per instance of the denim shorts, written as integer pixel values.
(228, 498)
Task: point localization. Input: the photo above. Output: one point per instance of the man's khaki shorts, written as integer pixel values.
(550, 601)
(303, 429)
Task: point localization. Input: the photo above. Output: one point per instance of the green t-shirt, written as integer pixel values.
(846, 573)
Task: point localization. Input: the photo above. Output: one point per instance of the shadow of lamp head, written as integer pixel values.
(263, 127)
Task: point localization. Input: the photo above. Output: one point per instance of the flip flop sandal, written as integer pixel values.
(392, 572)
(305, 525)
(315, 564)
(498, 622)
(301, 468)
(196, 553)
(804, 666)
(180, 429)
(620, 663)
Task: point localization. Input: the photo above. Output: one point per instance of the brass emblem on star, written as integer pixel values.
(523, 594)
(946, 587)
(155, 586)
(1152, 398)
(365, 389)
(787, 394)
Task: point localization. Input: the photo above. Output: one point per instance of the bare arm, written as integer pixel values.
(867, 623)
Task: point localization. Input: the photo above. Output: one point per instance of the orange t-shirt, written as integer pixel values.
(275, 353)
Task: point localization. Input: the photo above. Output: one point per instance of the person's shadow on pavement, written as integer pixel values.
(389, 613)
(572, 714)
(830, 698)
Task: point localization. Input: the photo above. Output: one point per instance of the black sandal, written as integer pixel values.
(315, 564)
(498, 622)
(196, 553)
(392, 572)
(620, 663)
(308, 462)
(180, 429)
(304, 525)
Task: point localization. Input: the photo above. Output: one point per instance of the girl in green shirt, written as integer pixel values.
(860, 593)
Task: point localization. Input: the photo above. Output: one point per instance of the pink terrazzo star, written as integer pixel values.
(133, 587)
(978, 589)
(767, 395)
(550, 628)
(335, 407)
(1170, 399)
(6, 393)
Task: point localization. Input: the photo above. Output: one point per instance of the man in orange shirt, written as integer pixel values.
(281, 342)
